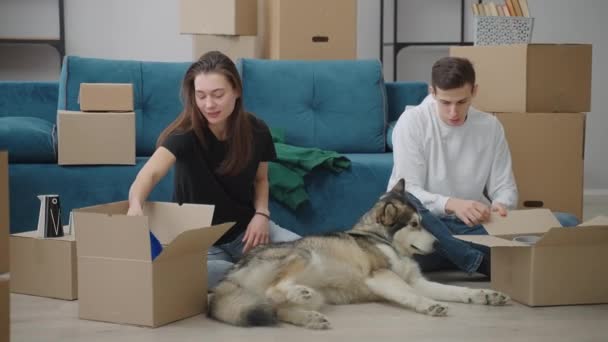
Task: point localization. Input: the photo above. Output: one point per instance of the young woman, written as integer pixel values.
(221, 155)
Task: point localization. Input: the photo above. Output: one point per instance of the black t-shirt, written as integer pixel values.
(197, 181)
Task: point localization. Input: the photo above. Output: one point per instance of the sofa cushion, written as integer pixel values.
(402, 94)
(337, 200)
(77, 186)
(160, 101)
(27, 139)
(332, 105)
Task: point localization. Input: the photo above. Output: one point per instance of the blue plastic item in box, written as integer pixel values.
(155, 247)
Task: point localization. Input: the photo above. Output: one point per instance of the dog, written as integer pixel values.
(291, 281)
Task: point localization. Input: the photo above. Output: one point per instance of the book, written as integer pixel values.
(516, 8)
(475, 9)
(501, 13)
(523, 4)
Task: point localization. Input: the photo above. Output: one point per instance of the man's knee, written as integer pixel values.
(566, 219)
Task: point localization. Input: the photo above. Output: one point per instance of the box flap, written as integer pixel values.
(120, 207)
(596, 221)
(168, 219)
(33, 234)
(521, 222)
(115, 236)
(575, 236)
(490, 241)
(193, 241)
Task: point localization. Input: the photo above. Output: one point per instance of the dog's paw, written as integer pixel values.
(488, 297)
(432, 308)
(316, 320)
(300, 294)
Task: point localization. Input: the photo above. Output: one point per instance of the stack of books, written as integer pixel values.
(510, 8)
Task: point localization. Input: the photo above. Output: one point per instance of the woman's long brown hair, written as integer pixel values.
(239, 130)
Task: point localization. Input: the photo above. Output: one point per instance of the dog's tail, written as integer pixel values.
(233, 304)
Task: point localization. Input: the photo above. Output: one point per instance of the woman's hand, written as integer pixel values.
(135, 210)
(256, 233)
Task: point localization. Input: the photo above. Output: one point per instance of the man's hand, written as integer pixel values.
(470, 212)
(497, 207)
(256, 233)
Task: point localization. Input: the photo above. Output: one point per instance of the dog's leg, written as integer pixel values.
(285, 289)
(462, 294)
(304, 318)
(390, 286)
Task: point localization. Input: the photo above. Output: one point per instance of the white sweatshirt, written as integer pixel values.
(439, 161)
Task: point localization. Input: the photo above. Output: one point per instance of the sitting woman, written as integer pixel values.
(221, 155)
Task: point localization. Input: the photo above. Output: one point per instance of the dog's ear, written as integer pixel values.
(399, 188)
(388, 215)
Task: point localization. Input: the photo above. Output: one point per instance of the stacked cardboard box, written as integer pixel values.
(275, 29)
(103, 131)
(230, 26)
(4, 249)
(540, 93)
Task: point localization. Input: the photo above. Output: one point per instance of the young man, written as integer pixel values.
(457, 165)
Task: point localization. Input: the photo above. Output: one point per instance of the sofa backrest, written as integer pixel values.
(333, 105)
(156, 87)
(31, 99)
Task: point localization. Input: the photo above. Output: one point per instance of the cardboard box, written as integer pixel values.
(106, 97)
(547, 150)
(566, 266)
(4, 308)
(117, 279)
(310, 30)
(4, 213)
(44, 267)
(95, 138)
(542, 78)
(233, 17)
(234, 47)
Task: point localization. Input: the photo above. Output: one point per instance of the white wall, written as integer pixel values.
(149, 30)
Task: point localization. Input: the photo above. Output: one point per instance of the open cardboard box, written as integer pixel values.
(566, 266)
(118, 281)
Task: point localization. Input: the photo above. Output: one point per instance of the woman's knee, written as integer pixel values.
(216, 271)
(280, 234)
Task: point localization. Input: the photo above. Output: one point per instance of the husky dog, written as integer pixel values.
(291, 281)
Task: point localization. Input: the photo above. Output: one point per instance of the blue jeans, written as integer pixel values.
(452, 253)
(221, 258)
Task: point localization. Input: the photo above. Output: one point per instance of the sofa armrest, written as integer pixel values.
(401, 94)
(31, 99)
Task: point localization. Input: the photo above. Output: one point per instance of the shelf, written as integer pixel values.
(401, 45)
(398, 46)
(57, 43)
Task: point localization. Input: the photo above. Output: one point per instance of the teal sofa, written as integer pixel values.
(343, 106)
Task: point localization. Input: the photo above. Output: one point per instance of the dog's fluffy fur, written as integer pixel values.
(290, 282)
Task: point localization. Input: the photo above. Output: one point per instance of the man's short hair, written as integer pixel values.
(452, 72)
